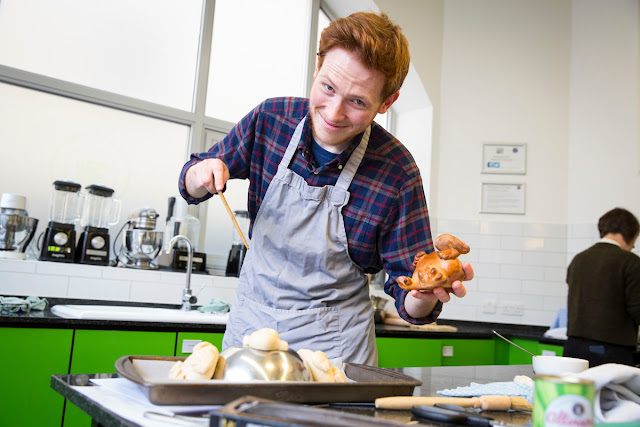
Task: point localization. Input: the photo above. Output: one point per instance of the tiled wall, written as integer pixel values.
(51, 279)
(519, 269)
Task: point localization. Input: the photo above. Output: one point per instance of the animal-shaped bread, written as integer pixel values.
(200, 365)
(320, 367)
(439, 268)
(265, 339)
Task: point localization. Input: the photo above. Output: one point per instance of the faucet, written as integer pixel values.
(187, 297)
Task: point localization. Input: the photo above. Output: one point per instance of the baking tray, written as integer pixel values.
(368, 383)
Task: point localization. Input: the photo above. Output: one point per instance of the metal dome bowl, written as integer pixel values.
(243, 364)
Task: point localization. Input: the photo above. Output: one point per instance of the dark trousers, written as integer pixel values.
(598, 352)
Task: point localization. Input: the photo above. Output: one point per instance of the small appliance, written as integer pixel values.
(182, 224)
(238, 248)
(64, 211)
(141, 244)
(100, 211)
(16, 227)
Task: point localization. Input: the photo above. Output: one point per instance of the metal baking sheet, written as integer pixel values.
(368, 383)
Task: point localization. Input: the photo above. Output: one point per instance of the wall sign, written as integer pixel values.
(504, 158)
(503, 198)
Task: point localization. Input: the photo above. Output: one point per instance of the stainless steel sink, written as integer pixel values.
(138, 314)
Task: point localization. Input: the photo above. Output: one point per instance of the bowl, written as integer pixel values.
(245, 364)
(558, 365)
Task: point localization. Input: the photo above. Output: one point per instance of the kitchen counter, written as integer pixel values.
(46, 319)
(104, 412)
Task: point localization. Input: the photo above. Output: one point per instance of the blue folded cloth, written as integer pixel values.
(498, 388)
(215, 306)
(15, 304)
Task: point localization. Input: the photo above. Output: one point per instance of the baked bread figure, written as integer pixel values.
(265, 339)
(320, 367)
(200, 364)
(439, 268)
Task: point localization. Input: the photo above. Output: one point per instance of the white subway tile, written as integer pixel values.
(499, 285)
(554, 303)
(538, 318)
(29, 284)
(544, 230)
(580, 231)
(131, 274)
(521, 272)
(544, 288)
(551, 259)
(485, 269)
(100, 289)
(501, 228)
(17, 266)
(501, 257)
(555, 274)
(156, 293)
(68, 269)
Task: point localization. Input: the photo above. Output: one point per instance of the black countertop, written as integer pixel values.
(465, 329)
(433, 379)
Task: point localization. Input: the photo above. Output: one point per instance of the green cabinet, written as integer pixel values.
(468, 352)
(408, 352)
(30, 357)
(97, 351)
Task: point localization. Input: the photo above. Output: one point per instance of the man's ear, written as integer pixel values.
(388, 102)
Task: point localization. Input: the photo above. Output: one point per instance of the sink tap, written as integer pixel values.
(187, 297)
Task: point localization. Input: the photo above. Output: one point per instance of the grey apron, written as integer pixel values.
(297, 277)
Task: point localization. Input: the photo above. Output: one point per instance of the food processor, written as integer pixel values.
(141, 244)
(238, 248)
(100, 211)
(16, 227)
(60, 236)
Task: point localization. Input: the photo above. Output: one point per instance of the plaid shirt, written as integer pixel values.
(386, 218)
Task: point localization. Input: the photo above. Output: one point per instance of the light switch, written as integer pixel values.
(187, 345)
(447, 351)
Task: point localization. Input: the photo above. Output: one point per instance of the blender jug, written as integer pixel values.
(64, 211)
(100, 211)
(238, 249)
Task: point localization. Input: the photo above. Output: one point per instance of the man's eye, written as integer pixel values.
(359, 102)
(328, 88)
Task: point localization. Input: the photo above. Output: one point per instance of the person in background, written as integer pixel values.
(604, 294)
(332, 196)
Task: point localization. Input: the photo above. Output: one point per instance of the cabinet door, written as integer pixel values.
(468, 352)
(97, 351)
(506, 354)
(408, 352)
(213, 338)
(30, 357)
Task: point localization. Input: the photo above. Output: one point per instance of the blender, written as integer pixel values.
(238, 249)
(16, 227)
(100, 211)
(141, 244)
(60, 236)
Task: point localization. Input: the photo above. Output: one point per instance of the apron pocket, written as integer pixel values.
(314, 329)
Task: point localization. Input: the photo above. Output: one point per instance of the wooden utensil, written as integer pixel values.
(486, 403)
(233, 218)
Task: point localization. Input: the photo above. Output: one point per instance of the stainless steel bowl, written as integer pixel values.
(141, 247)
(242, 364)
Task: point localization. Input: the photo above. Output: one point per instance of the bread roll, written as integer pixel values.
(200, 364)
(320, 368)
(265, 339)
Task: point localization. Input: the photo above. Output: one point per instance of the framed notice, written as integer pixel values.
(504, 158)
(503, 198)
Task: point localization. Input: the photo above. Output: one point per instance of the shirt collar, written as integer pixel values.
(605, 240)
(304, 147)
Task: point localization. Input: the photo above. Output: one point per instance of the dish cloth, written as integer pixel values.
(617, 398)
(520, 386)
(215, 306)
(15, 304)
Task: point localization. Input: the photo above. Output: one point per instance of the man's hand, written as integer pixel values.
(207, 176)
(421, 303)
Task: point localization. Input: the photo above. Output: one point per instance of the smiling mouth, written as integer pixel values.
(329, 125)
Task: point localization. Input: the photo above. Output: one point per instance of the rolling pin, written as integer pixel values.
(486, 403)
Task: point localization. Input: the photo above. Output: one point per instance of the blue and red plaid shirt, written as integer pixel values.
(386, 218)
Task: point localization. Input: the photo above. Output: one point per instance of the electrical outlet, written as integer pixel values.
(513, 308)
(447, 351)
(489, 306)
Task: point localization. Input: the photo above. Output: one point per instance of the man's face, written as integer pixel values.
(345, 98)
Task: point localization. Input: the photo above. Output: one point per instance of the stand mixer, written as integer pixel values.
(16, 227)
(140, 243)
